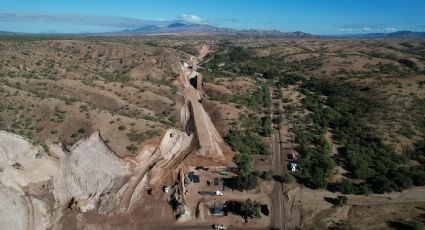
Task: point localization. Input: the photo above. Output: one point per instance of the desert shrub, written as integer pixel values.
(242, 182)
(250, 209)
(366, 156)
(266, 175)
(238, 54)
(290, 109)
(132, 148)
(266, 124)
(246, 209)
(316, 166)
(381, 184)
(120, 78)
(246, 178)
(140, 137)
(340, 201)
(417, 174)
(258, 100)
(189, 48)
(243, 162)
(347, 187)
(269, 74)
(59, 115)
(415, 225)
(285, 178)
(408, 63)
(247, 142)
(407, 225)
(419, 152)
(289, 79)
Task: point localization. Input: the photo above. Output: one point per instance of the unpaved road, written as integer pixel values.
(279, 161)
(129, 192)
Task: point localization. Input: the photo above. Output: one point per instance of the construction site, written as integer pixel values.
(180, 132)
(181, 176)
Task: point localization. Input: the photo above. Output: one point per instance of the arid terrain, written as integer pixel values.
(184, 132)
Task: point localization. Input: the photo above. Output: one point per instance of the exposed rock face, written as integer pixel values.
(89, 174)
(22, 164)
(175, 145)
(194, 114)
(36, 187)
(88, 177)
(173, 142)
(13, 211)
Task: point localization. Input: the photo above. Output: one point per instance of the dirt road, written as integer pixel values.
(279, 161)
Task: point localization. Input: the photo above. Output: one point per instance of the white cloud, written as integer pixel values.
(77, 19)
(390, 29)
(191, 18)
(346, 30)
(366, 28)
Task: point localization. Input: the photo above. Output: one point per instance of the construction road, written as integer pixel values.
(205, 138)
(279, 166)
(204, 128)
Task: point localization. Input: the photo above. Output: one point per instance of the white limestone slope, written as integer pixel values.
(90, 173)
(22, 163)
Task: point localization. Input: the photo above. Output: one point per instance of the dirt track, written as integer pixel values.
(279, 161)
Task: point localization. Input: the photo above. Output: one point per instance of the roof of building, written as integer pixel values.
(196, 179)
(217, 211)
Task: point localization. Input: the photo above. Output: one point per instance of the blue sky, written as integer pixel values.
(312, 16)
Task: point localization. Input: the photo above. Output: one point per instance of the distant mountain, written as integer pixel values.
(395, 35)
(175, 25)
(299, 34)
(406, 34)
(143, 29)
(189, 28)
(182, 28)
(8, 33)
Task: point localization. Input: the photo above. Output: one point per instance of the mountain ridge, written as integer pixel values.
(184, 28)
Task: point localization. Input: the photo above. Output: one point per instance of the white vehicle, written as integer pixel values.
(166, 189)
(293, 167)
(219, 226)
(218, 193)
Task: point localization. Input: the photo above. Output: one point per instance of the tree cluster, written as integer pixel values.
(365, 155)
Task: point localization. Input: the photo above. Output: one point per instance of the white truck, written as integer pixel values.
(219, 226)
(218, 193)
(166, 189)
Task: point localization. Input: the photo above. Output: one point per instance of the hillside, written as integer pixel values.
(110, 128)
(348, 112)
(64, 89)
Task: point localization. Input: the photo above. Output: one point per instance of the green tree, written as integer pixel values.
(250, 209)
(415, 225)
(340, 201)
(381, 184)
(246, 182)
(243, 161)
